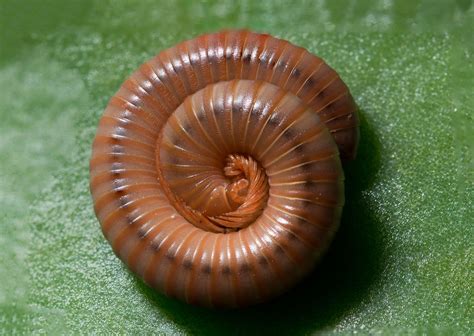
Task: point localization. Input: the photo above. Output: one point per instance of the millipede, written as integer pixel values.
(216, 170)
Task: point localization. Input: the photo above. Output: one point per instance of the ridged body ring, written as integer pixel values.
(216, 168)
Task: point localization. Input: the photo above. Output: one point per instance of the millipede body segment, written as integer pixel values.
(216, 168)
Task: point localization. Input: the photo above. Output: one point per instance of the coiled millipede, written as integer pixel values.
(215, 170)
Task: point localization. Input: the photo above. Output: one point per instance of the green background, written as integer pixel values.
(402, 262)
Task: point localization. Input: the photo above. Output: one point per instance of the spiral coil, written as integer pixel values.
(216, 172)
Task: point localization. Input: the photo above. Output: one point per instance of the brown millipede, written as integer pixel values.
(215, 170)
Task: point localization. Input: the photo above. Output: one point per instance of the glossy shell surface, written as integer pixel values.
(216, 171)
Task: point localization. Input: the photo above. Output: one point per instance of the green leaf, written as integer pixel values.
(402, 262)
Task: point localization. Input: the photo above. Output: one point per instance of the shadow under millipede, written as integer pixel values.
(339, 283)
